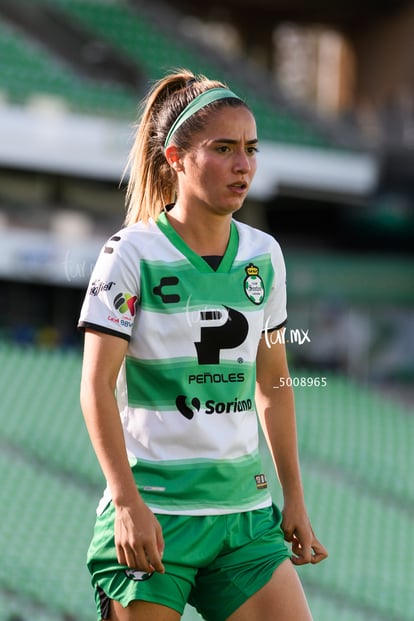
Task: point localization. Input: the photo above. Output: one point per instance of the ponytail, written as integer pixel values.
(152, 182)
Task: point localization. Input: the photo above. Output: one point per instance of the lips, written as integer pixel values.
(238, 186)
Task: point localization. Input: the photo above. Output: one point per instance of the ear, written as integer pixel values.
(173, 157)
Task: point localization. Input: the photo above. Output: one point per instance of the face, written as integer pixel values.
(216, 173)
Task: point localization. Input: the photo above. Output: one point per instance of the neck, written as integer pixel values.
(205, 234)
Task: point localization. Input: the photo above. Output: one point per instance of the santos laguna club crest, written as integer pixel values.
(253, 284)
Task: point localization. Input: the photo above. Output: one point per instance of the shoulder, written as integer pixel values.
(131, 240)
(257, 240)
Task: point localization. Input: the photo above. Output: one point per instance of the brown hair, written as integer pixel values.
(152, 182)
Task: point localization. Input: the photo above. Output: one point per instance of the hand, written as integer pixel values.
(301, 555)
(306, 548)
(138, 538)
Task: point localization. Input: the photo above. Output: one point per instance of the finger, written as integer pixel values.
(287, 531)
(301, 560)
(160, 542)
(140, 560)
(154, 559)
(154, 549)
(319, 552)
(134, 559)
(120, 556)
(302, 553)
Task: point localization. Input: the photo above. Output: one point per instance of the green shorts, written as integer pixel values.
(231, 556)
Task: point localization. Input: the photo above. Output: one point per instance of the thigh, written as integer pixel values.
(281, 599)
(142, 611)
(190, 542)
(254, 548)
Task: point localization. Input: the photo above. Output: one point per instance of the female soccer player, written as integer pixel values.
(177, 370)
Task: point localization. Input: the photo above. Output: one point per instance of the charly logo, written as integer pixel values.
(138, 576)
(253, 284)
(163, 289)
(125, 302)
(109, 249)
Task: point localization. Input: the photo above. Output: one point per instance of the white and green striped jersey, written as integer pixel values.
(186, 388)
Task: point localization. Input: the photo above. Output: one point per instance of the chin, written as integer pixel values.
(237, 207)
(231, 207)
(227, 211)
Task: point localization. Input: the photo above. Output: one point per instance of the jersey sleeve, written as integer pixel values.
(112, 295)
(275, 315)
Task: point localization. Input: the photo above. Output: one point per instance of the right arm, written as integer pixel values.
(138, 537)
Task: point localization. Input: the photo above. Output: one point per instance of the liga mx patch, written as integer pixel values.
(253, 284)
(261, 481)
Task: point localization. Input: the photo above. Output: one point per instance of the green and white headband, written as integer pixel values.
(202, 100)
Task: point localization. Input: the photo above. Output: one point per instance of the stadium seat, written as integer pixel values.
(46, 522)
(45, 392)
(356, 465)
(156, 51)
(28, 69)
(363, 434)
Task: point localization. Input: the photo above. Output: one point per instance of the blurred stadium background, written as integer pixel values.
(332, 87)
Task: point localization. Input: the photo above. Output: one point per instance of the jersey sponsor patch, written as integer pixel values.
(183, 404)
(99, 285)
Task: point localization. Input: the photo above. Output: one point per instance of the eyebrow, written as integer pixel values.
(231, 141)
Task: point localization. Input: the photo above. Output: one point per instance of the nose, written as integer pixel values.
(242, 162)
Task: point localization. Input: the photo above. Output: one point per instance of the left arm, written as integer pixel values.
(276, 410)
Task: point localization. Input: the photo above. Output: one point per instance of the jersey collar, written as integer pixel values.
(198, 262)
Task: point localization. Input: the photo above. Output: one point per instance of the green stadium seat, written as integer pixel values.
(45, 393)
(356, 465)
(155, 51)
(27, 69)
(46, 523)
(14, 608)
(345, 425)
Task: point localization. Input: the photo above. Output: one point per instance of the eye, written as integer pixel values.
(252, 150)
(223, 149)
